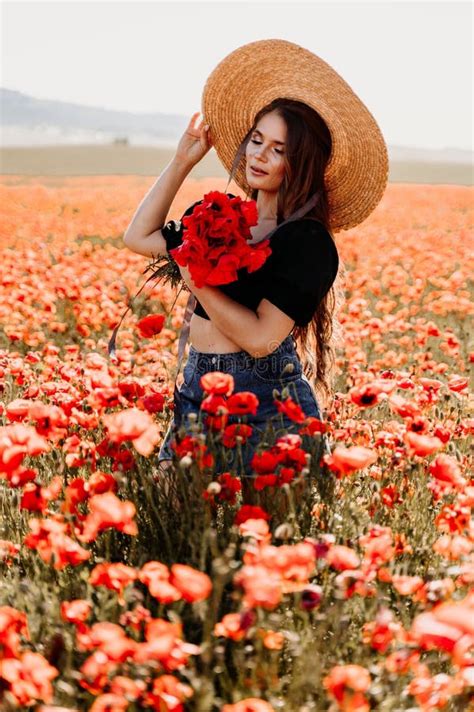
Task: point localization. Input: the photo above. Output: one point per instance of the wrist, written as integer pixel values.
(181, 164)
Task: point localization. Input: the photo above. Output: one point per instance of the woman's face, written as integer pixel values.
(265, 152)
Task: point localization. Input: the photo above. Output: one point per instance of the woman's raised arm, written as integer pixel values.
(143, 235)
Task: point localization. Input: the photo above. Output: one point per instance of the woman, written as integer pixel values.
(250, 328)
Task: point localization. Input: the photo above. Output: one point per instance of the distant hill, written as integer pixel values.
(25, 116)
(47, 137)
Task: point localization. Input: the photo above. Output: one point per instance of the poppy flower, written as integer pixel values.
(194, 585)
(446, 470)
(291, 409)
(242, 403)
(248, 511)
(421, 444)
(342, 557)
(249, 704)
(217, 383)
(347, 460)
(151, 325)
(76, 611)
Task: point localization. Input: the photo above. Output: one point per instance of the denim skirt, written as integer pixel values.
(280, 369)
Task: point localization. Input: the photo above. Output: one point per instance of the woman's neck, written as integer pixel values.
(266, 205)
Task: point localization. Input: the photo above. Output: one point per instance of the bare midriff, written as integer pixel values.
(203, 333)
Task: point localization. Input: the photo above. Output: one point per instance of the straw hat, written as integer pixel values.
(256, 73)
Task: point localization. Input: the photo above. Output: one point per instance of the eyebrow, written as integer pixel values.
(281, 143)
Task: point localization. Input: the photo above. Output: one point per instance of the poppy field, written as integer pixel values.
(343, 579)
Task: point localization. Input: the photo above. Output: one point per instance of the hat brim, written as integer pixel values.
(253, 75)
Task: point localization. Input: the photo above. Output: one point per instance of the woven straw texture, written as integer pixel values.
(253, 75)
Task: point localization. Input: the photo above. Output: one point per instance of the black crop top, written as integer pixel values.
(295, 277)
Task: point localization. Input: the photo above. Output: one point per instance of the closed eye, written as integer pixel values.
(259, 143)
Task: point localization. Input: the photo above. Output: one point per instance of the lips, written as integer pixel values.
(258, 171)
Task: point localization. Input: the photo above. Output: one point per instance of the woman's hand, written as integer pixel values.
(194, 143)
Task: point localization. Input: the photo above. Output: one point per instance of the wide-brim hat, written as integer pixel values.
(255, 74)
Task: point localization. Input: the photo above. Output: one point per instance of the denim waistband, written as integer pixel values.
(238, 360)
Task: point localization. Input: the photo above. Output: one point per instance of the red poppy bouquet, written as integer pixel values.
(215, 240)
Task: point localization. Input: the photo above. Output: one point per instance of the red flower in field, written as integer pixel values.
(164, 644)
(77, 491)
(262, 586)
(110, 702)
(372, 393)
(242, 403)
(266, 462)
(390, 496)
(8, 550)
(107, 510)
(250, 704)
(446, 470)
(262, 481)
(168, 693)
(406, 585)
(258, 529)
(135, 425)
(36, 498)
(227, 488)
(153, 402)
(291, 409)
(16, 441)
(100, 482)
(453, 547)
(50, 420)
(156, 576)
(194, 448)
(247, 511)
(346, 684)
(110, 639)
(49, 538)
(96, 672)
(113, 576)
(13, 626)
(378, 545)
(214, 404)
(380, 633)
(434, 691)
(403, 407)
(402, 661)
(217, 383)
(421, 444)
(216, 423)
(131, 689)
(313, 425)
(231, 626)
(28, 678)
(151, 325)
(430, 384)
(458, 384)
(449, 627)
(234, 431)
(76, 611)
(342, 557)
(194, 585)
(311, 597)
(347, 460)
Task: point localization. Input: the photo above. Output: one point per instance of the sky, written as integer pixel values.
(409, 62)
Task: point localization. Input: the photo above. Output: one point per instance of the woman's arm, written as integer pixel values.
(258, 334)
(143, 235)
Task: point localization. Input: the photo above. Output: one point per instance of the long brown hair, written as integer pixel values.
(307, 152)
